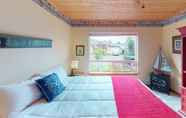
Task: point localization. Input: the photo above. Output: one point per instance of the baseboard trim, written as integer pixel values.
(179, 94)
(182, 113)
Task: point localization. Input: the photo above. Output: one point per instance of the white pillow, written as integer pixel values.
(15, 98)
(60, 71)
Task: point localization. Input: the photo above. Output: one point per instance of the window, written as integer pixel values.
(113, 54)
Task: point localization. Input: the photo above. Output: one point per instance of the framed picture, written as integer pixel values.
(176, 44)
(80, 50)
(18, 41)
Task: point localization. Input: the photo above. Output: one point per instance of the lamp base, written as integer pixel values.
(75, 72)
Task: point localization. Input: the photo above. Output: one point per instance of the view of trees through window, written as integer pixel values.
(113, 54)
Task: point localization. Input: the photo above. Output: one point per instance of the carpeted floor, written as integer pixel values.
(172, 100)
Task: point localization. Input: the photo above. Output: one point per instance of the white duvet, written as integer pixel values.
(84, 97)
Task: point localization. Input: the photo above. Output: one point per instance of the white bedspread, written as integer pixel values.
(84, 97)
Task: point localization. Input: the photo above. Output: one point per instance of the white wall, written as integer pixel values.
(149, 44)
(24, 17)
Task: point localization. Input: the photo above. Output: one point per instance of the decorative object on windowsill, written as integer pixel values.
(160, 77)
(80, 50)
(16, 41)
(75, 68)
(176, 44)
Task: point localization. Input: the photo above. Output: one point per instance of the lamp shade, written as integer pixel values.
(75, 64)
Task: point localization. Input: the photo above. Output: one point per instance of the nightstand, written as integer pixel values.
(75, 72)
(160, 83)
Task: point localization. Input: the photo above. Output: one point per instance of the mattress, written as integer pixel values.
(84, 97)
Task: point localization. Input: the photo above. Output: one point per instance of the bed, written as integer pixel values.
(84, 97)
(87, 97)
(97, 97)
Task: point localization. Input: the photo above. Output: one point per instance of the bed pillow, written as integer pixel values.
(50, 86)
(17, 97)
(59, 71)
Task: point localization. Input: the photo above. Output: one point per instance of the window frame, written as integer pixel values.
(113, 34)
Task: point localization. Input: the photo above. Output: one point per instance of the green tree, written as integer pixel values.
(131, 47)
(99, 53)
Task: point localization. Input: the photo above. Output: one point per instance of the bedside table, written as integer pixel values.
(160, 83)
(75, 72)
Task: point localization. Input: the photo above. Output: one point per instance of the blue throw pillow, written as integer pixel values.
(50, 86)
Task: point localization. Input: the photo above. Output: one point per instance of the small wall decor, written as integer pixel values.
(16, 41)
(80, 50)
(176, 44)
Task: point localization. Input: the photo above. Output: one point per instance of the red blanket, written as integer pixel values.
(134, 100)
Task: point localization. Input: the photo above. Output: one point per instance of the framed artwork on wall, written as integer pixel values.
(176, 44)
(80, 50)
(18, 41)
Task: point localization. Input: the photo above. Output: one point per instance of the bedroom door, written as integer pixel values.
(183, 52)
(184, 61)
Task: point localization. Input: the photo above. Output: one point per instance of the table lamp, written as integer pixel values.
(74, 66)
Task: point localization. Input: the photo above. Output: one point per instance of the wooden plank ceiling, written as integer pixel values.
(119, 10)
